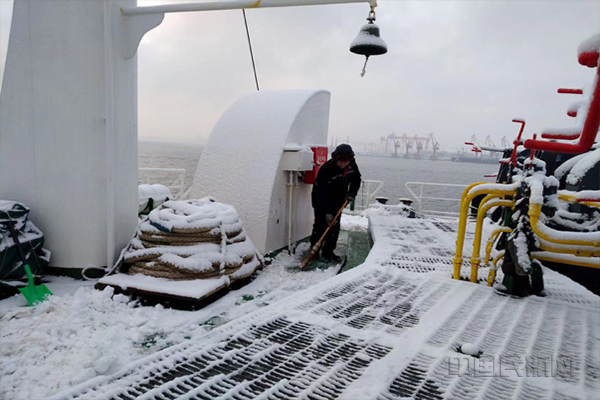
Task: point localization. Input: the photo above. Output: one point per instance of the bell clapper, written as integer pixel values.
(364, 70)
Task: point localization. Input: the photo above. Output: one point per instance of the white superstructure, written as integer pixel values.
(243, 163)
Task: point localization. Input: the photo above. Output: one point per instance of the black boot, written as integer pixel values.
(332, 257)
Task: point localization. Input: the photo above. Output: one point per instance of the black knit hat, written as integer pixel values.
(343, 152)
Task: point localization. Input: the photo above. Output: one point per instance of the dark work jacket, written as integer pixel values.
(332, 185)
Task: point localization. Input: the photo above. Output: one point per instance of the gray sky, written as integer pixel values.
(453, 68)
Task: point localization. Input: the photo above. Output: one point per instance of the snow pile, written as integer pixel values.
(204, 214)
(354, 222)
(470, 349)
(582, 166)
(68, 340)
(193, 239)
(74, 337)
(565, 167)
(158, 193)
(297, 147)
(586, 49)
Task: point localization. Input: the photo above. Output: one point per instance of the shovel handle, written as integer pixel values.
(28, 272)
(15, 235)
(317, 245)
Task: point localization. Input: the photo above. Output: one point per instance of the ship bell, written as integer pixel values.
(368, 42)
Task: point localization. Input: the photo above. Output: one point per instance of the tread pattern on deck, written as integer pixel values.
(293, 351)
(380, 303)
(277, 359)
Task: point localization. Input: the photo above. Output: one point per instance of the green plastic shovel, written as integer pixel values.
(32, 293)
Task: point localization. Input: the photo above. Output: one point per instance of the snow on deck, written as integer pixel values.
(395, 327)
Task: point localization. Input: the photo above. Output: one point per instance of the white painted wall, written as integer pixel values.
(240, 164)
(68, 127)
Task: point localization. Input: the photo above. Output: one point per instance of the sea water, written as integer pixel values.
(394, 172)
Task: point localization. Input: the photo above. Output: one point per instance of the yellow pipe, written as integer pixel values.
(580, 261)
(460, 238)
(492, 274)
(468, 195)
(573, 199)
(576, 252)
(534, 213)
(485, 205)
(491, 240)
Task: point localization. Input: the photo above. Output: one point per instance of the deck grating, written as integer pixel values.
(353, 333)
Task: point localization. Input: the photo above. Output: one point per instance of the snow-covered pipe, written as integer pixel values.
(494, 268)
(491, 240)
(553, 236)
(232, 5)
(570, 259)
(581, 251)
(485, 205)
(591, 199)
(468, 195)
(560, 237)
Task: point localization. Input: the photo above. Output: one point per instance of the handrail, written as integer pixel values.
(419, 198)
(367, 198)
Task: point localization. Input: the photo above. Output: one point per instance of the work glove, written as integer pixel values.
(329, 218)
(350, 197)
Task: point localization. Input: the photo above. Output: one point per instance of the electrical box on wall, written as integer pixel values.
(320, 157)
(297, 160)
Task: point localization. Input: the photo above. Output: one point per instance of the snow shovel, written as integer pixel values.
(33, 294)
(317, 245)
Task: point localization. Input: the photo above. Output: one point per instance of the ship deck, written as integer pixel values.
(394, 327)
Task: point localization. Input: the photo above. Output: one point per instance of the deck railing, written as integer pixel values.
(366, 194)
(172, 178)
(421, 197)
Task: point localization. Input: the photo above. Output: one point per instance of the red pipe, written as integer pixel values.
(561, 136)
(513, 156)
(569, 91)
(588, 134)
(569, 113)
(532, 152)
